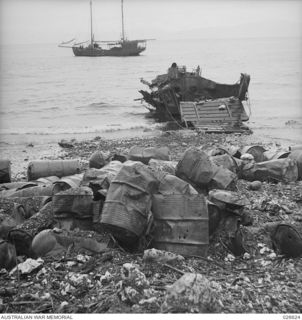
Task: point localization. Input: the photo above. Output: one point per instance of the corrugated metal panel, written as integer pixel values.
(181, 224)
(209, 116)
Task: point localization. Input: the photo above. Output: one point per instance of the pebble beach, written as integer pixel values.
(20, 152)
(263, 283)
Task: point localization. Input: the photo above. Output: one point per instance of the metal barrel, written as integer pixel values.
(294, 148)
(38, 191)
(31, 205)
(74, 202)
(181, 224)
(196, 167)
(47, 180)
(126, 209)
(270, 155)
(145, 154)
(45, 168)
(65, 183)
(256, 151)
(226, 161)
(297, 156)
(5, 171)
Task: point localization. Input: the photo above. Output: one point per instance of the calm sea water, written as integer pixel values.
(46, 91)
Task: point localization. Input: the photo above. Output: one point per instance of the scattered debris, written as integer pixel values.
(192, 293)
(28, 266)
(252, 234)
(65, 144)
(161, 256)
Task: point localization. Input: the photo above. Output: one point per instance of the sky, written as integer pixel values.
(54, 21)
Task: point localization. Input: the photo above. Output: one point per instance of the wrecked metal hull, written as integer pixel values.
(199, 102)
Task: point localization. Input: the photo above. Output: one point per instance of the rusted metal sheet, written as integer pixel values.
(222, 115)
(181, 224)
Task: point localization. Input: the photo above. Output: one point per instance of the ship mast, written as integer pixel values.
(123, 31)
(91, 34)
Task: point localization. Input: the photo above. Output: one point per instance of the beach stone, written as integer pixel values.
(45, 243)
(192, 293)
(97, 160)
(134, 284)
(255, 185)
(28, 266)
(65, 144)
(161, 256)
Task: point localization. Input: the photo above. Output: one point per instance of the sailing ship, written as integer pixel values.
(119, 48)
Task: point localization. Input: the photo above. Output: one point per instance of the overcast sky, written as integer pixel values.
(53, 21)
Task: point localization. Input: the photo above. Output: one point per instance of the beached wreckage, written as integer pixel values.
(196, 101)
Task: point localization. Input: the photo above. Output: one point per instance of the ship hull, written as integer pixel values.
(113, 52)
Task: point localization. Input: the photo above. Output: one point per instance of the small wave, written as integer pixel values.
(45, 100)
(45, 82)
(139, 113)
(105, 105)
(95, 106)
(98, 105)
(23, 100)
(2, 143)
(10, 112)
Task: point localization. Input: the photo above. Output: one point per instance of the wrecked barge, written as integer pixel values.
(195, 101)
